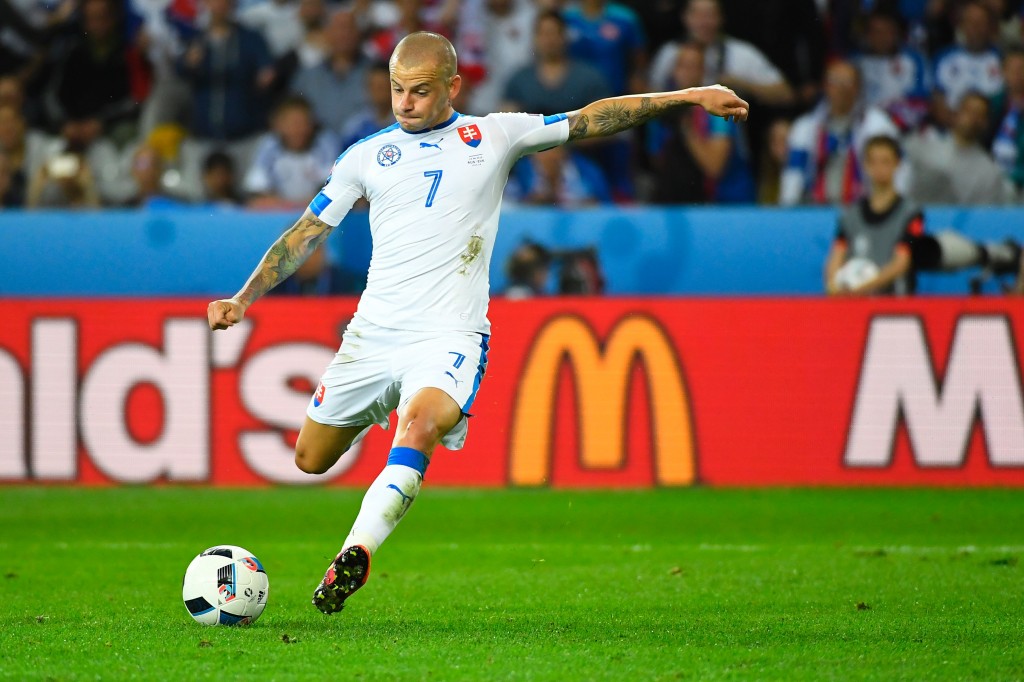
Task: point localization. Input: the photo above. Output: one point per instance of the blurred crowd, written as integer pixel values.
(150, 103)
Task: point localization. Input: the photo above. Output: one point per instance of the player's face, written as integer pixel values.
(880, 164)
(420, 97)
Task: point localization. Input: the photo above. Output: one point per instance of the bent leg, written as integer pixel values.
(319, 446)
(425, 419)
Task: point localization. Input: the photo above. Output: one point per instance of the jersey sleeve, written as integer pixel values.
(528, 133)
(342, 190)
(914, 230)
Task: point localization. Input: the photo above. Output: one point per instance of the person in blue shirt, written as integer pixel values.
(609, 37)
(699, 159)
(558, 177)
(229, 70)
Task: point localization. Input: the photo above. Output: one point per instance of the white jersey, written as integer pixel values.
(434, 200)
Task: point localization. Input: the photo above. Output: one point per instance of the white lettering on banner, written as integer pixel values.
(982, 381)
(228, 347)
(181, 373)
(12, 418)
(54, 388)
(266, 395)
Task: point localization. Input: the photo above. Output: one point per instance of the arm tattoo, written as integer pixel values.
(578, 124)
(614, 115)
(285, 256)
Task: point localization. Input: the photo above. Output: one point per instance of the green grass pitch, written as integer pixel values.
(694, 584)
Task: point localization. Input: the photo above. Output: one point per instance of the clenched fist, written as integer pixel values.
(721, 101)
(224, 313)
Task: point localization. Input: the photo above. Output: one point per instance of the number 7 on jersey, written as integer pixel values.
(436, 175)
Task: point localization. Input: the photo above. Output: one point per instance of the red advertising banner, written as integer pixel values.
(579, 392)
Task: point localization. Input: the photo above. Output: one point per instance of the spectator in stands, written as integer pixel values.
(162, 29)
(147, 171)
(278, 22)
(895, 76)
(314, 46)
(12, 94)
(12, 183)
(731, 62)
(319, 275)
(825, 145)
(336, 87)
(1008, 147)
(554, 83)
(99, 81)
(954, 167)
(289, 166)
(557, 177)
(506, 37)
(528, 270)
(411, 18)
(871, 253)
(24, 150)
(65, 181)
(229, 70)
(377, 115)
(773, 161)
(609, 37)
(293, 30)
(697, 157)
(27, 29)
(219, 180)
(971, 65)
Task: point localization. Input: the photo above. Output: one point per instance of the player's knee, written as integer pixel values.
(308, 461)
(422, 433)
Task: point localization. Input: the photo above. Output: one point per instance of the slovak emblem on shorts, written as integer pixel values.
(470, 135)
(318, 397)
(388, 155)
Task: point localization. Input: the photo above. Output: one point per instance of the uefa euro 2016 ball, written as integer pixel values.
(225, 585)
(855, 272)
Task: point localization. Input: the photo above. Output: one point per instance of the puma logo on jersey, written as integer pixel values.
(457, 382)
(437, 145)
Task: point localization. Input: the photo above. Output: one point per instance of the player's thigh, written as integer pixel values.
(425, 418)
(319, 446)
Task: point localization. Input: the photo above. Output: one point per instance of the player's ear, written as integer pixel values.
(454, 87)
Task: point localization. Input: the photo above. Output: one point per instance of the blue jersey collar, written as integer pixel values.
(447, 123)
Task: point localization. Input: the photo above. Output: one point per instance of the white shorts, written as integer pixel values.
(377, 370)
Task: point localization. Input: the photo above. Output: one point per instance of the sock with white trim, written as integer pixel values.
(388, 498)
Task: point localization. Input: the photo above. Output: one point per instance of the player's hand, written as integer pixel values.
(721, 101)
(224, 313)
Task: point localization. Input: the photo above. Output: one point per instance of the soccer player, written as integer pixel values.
(418, 341)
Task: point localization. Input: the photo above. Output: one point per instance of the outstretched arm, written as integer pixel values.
(615, 114)
(284, 257)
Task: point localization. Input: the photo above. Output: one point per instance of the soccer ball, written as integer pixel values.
(855, 272)
(225, 585)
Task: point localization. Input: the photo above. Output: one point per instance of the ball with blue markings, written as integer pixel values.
(225, 585)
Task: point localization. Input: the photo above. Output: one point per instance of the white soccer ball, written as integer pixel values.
(855, 272)
(225, 585)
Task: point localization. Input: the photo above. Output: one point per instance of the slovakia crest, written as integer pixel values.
(318, 397)
(470, 135)
(388, 155)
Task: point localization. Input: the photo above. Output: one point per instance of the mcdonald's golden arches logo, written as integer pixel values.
(602, 374)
